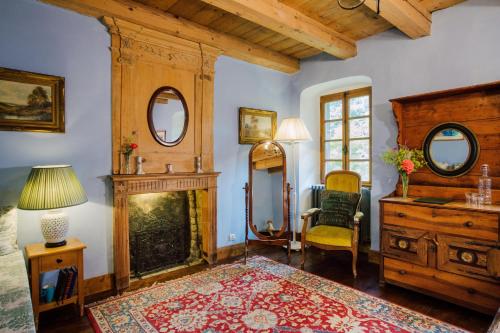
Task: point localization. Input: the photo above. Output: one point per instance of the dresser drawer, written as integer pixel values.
(477, 294)
(405, 244)
(477, 259)
(449, 221)
(58, 261)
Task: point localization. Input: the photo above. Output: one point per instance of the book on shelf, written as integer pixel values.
(61, 284)
(63, 280)
(72, 281)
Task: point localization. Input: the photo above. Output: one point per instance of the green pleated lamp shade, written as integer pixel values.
(51, 187)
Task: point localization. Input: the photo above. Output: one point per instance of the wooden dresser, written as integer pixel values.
(450, 251)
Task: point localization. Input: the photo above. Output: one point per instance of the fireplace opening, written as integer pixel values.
(164, 231)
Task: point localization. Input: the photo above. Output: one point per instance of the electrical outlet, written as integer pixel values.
(232, 237)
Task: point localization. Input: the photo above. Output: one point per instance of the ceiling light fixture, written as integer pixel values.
(353, 4)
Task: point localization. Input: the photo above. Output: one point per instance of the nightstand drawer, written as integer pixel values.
(58, 261)
(443, 220)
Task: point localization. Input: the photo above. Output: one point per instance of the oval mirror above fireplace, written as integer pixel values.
(451, 149)
(168, 116)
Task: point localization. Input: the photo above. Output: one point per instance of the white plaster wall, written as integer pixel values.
(463, 50)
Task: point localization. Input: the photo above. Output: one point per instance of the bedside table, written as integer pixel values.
(42, 259)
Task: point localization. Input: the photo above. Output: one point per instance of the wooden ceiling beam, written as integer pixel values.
(409, 16)
(290, 22)
(160, 21)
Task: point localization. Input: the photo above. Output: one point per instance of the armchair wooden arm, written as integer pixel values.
(307, 217)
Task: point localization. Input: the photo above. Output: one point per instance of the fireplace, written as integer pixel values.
(163, 221)
(164, 230)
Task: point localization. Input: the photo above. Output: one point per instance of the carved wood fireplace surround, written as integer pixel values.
(142, 61)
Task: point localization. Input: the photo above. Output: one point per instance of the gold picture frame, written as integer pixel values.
(31, 102)
(256, 125)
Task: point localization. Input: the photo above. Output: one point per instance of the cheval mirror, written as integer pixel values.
(267, 197)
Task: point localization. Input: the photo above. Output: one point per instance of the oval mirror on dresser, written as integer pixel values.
(168, 116)
(451, 149)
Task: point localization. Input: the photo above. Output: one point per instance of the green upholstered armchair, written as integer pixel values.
(339, 216)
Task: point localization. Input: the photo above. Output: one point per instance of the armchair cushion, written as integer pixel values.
(330, 235)
(338, 208)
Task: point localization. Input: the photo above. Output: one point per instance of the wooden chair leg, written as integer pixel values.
(303, 258)
(354, 263)
(246, 252)
(289, 253)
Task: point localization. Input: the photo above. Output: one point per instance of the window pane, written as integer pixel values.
(332, 166)
(359, 106)
(333, 130)
(363, 168)
(333, 150)
(359, 149)
(333, 110)
(359, 128)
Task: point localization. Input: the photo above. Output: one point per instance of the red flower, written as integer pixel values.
(133, 146)
(407, 166)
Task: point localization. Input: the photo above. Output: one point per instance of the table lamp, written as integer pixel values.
(52, 187)
(293, 131)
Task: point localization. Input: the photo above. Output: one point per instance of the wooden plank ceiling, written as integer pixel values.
(355, 24)
(272, 33)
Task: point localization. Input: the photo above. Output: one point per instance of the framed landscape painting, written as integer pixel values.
(256, 125)
(31, 102)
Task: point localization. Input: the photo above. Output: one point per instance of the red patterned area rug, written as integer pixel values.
(262, 296)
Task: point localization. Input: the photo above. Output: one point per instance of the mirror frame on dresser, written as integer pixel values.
(452, 250)
(471, 159)
(282, 237)
(151, 124)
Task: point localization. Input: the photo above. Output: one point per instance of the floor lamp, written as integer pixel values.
(293, 131)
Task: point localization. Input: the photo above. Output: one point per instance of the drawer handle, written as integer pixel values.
(471, 291)
(401, 215)
(59, 260)
(469, 224)
(402, 272)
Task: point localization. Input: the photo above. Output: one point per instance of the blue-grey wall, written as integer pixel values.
(240, 84)
(463, 50)
(44, 39)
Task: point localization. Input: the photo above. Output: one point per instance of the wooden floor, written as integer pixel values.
(334, 266)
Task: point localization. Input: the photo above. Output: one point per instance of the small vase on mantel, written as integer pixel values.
(127, 163)
(128, 148)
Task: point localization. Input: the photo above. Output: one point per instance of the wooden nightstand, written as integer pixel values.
(42, 259)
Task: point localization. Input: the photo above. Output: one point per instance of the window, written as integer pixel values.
(346, 133)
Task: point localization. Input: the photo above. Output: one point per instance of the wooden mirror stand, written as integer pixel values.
(267, 156)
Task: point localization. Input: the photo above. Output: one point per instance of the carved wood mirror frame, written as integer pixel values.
(151, 124)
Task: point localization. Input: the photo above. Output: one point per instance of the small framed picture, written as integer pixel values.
(256, 125)
(31, 102)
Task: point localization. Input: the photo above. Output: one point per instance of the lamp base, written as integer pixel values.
(54, 226)
(49, 245)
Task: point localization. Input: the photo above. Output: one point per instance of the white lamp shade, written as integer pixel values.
(292, 130)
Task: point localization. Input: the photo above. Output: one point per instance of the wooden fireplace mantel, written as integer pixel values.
(125, 185)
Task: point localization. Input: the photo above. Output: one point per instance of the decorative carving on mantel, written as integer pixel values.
(125, 185)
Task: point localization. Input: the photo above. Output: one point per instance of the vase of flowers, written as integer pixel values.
(127, 150)
(406, 160)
